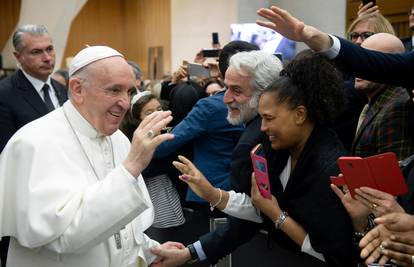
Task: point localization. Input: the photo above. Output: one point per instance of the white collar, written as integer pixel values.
(79, 123)
(37, 84)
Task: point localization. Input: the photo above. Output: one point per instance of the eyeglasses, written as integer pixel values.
(353, 36)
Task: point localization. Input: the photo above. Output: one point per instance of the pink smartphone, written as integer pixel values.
(260, 171)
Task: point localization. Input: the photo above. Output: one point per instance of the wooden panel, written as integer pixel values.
(130, 26)
(9, 14)
(395, 11)
(99, 22)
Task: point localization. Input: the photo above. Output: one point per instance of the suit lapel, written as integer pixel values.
(60, 91)
(385, 96)
(29, 93)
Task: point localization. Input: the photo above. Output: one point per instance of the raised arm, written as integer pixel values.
(371, 65)
(284, 23)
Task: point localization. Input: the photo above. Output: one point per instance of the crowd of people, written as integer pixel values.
(89, 154)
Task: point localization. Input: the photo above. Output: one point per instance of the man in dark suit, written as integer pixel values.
(22, 97)
(384, 122)
(408, 42)
(395, 69)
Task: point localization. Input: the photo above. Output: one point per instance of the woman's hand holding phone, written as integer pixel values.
(270, 207)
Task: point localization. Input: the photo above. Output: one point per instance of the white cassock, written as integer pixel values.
(58, 211)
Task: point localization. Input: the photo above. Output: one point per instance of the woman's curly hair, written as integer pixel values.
(314, 82)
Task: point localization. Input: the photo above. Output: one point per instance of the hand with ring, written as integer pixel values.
(378, 201)
(370, 245)
(399, 247)
(150, 134)
(145, 140)
(395, 233)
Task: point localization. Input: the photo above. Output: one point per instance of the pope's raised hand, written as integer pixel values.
(145, 140)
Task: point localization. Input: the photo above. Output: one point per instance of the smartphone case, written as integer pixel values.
(380, 172)
(260, 170)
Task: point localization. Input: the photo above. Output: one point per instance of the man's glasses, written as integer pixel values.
(353, 36)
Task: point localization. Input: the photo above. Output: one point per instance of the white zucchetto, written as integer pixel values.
(89, 55)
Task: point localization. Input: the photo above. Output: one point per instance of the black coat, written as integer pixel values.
(20, 104)
(309, 200)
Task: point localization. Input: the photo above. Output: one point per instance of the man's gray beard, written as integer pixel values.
(247, 110)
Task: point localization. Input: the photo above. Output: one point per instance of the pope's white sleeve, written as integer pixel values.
(240, 206)
(148, 244)
(98, 211)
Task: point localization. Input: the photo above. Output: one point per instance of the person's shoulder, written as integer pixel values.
(397, 99)
(40, 132)
(6, 84)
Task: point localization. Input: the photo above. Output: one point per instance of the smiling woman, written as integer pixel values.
(302, 151)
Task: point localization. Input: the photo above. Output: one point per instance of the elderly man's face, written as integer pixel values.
(37, 57)
(241, 103)
(104, 97)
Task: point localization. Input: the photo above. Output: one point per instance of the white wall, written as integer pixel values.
(328, 16)
(247, 10)
(193, 21)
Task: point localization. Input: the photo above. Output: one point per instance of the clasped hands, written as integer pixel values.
(392, 239)
(170, 254)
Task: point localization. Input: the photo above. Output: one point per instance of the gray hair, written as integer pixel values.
(262, 67)
(137, 70)
(32, 29)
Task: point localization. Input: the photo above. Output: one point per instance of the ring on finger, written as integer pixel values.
(374, 206)
(150, 134)
(412, 259)
(381, 248)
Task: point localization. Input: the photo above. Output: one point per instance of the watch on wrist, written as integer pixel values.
(193, 254)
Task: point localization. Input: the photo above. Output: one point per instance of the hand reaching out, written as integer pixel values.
(368, 9)
(194, 178)
(281, 21)
(292, 28)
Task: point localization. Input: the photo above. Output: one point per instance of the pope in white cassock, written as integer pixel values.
(71, 193)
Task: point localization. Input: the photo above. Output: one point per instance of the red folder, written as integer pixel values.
(380, 172)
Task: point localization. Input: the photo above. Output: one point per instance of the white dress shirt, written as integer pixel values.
(38, 85)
